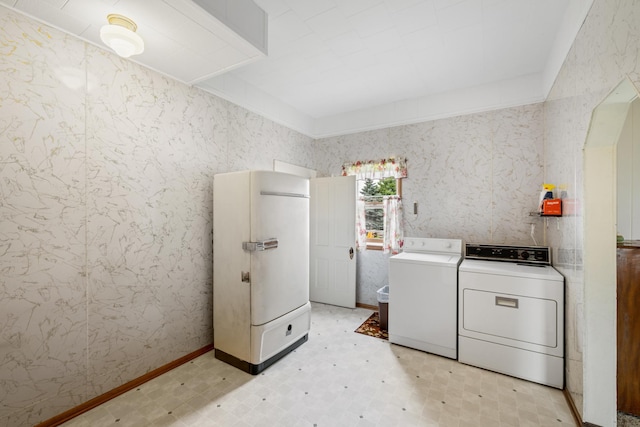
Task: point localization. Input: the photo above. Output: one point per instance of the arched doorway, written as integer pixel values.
(600, 218)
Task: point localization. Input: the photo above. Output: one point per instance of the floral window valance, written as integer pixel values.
(377, 169)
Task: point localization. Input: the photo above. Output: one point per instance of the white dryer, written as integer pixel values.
(423, 289)
(511, 308)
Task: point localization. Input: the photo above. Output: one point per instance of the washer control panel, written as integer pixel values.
(522, 254)
(431, 245)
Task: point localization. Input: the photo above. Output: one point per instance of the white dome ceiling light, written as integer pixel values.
(120, 36)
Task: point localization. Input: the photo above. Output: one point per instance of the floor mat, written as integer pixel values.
(371, 327)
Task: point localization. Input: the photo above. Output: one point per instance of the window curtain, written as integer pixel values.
(377, 169)
(361, 228)
(393, 234)
(392, 205)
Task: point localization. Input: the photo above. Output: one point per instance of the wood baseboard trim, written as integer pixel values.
(367, 306)
(572, 406)
(99, 400)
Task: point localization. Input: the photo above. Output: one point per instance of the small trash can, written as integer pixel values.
(383, 305)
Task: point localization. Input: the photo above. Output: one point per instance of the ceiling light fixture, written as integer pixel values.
(120, 36)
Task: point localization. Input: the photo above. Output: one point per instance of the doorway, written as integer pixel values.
(600, 229)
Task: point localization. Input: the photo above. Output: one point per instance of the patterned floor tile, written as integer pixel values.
(337, 378)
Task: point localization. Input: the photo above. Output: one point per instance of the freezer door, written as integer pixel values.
(279, 272)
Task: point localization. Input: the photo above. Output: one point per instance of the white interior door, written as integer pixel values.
(332, 278)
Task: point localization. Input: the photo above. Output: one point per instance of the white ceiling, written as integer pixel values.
(333, 56)
(337, 66)
(181, 39)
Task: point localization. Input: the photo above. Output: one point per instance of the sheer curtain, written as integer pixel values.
(361, 226)
(392, 205)
(393, 233)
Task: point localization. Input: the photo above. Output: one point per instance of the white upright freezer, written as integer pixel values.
(261, 308)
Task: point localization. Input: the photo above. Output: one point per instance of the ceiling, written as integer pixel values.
(338, 66)
(333, 56)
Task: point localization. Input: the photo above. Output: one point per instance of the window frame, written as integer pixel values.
(377, 244)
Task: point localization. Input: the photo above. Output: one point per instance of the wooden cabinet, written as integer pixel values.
(628, 334)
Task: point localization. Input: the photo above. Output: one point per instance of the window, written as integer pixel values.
(379, 205)
(373, 192)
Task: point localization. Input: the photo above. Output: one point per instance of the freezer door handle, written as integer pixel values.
(262, 245)
(281, 194)
(507, 302)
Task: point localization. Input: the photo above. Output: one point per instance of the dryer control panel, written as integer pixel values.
(522, 254)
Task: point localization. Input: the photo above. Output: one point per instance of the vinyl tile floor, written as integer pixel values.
(337, 378)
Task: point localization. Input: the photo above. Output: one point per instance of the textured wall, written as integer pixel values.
(43, 292)
(606, 50)
(474, 177)
(254, 142)
(106, 175)
(151, 150)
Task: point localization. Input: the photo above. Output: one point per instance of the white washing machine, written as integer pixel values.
(423, 289)
(511, 312)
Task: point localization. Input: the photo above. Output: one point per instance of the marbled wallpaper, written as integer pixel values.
(105, 208)
(254, 142)
(606, 50)
(474, 177)
(152, 149)
(43, 277)
(106, 175)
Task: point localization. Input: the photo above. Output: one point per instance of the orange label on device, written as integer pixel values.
(552, 207)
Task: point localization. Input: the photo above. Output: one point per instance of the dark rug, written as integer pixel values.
(371, 327)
